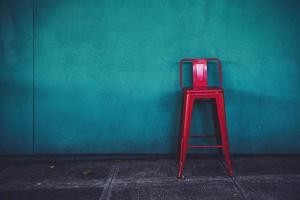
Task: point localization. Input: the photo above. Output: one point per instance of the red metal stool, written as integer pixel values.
(201, 90)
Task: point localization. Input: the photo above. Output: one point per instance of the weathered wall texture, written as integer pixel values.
(101, 76)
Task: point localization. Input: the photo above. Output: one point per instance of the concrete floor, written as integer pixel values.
(257, 177)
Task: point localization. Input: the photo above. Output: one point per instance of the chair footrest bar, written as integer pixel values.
(211, 146)
(201, 136)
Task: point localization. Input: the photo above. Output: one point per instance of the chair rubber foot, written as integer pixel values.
(180, 177)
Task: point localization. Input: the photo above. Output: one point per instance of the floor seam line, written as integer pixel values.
(107, 189)
(239, 188)
(237, 185)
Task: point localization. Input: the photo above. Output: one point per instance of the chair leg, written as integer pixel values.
(182, 116)
(224, 135)
(216, 126)
(188, 109)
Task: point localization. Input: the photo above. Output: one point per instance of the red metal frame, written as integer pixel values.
(200, 90)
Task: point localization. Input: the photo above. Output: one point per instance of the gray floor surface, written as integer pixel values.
(256, 177)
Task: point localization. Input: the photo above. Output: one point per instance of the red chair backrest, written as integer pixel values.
(200, 71)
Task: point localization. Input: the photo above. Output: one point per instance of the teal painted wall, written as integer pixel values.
(16, 77)
(90, 76)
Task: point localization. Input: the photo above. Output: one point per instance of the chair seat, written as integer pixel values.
(208, 89)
